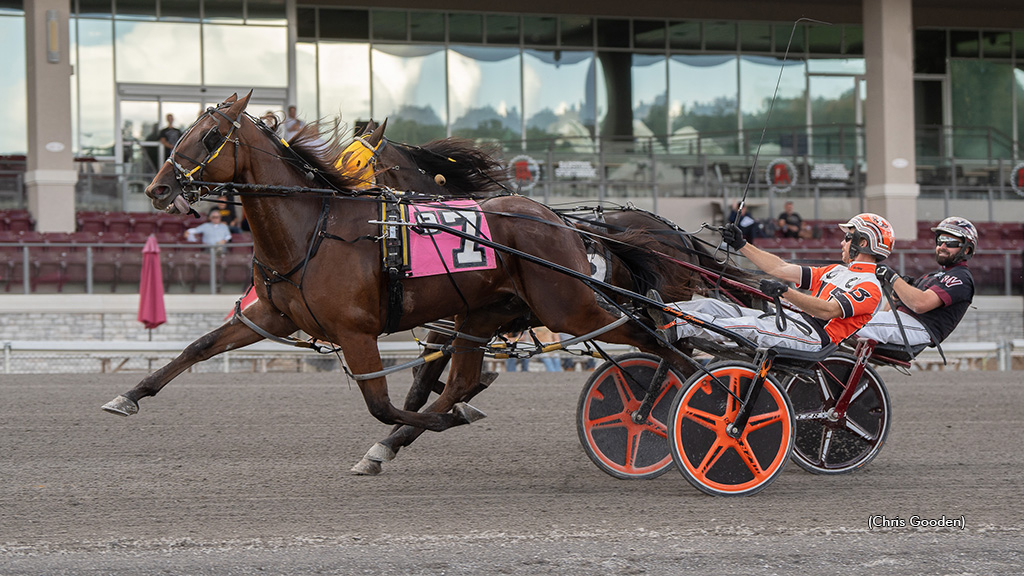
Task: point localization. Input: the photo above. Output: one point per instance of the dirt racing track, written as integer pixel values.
(245, 474)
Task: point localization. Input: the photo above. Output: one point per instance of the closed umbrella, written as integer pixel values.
(151, 287)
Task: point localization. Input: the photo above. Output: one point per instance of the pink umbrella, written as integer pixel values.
(151, 287)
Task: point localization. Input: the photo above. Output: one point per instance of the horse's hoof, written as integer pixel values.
(380, 453)
(366, 467)
(468, 413)
(121, 406)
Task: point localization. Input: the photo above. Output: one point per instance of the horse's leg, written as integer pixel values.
(234, 334)
(401, 435)
(364, 358)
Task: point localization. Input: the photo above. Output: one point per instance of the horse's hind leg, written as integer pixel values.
(234, 334)
(401, 435)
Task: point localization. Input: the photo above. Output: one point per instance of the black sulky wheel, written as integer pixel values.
(831, 443)
(711, 459)
(612, 440)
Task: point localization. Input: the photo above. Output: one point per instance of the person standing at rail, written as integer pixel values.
(932, 305)
(841, 298)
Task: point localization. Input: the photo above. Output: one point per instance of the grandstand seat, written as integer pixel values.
(171, 224)
(18, 221)
(11, 266)
(119, 223)
(48, 267)
(146, 223)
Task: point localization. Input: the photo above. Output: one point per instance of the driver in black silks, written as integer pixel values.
(932, 305)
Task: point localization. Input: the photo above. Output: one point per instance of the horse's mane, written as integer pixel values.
(468, 168)
(319, 145)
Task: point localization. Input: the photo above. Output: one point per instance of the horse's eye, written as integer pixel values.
(212, 139)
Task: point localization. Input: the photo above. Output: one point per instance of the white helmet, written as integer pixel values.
(963, 229)
(876, 230)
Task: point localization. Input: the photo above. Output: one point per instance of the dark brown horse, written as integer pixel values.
(656, 256)
(317, 261)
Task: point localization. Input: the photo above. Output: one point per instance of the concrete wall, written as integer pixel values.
(112, 317)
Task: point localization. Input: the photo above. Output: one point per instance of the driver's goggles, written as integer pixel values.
(948, 241)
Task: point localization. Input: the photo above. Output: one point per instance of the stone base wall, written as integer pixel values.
(113, 317)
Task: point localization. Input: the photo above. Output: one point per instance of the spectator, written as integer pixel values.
(228, 214)
(169, 135)
(751, 228)
(292, 125)
(212, 233)
(789, 222)
(510, 362)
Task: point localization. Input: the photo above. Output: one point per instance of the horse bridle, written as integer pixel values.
(187, 178)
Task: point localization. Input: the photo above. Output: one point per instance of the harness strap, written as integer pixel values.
(312, 345)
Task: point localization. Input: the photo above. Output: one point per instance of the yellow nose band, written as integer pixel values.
(357, 161)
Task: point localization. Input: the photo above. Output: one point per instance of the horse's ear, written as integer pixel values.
(378, 134)
(370, 127)
(231, 98)
(239, 105)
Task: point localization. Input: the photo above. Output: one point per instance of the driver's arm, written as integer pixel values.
(823, 309)
(920, 301)
(772, 264)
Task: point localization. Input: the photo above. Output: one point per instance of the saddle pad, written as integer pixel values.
(433, 251)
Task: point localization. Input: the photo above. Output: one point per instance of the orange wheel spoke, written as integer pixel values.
(705, 419)
(714, 453)
(612, 421)
(762, 420)
(657, 427)
(625, 394)
(750, 460)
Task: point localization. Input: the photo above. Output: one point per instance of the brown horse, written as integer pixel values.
(317, 261)
(657, 258)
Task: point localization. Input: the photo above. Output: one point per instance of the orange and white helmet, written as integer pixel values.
(876, 230)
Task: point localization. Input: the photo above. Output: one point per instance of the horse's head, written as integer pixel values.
(206, 152)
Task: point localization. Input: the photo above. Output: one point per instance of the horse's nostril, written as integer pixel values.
(157, 191)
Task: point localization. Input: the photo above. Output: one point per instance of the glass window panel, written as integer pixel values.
(755, 37)
(266, 11)
(305, 22)
(157, 52)
(824, 39)
(650, 88)
(836, 66)
(853, 40)
(720, 36)
(344, 72)
(263, 62)
(141, 124)
(484, 92)
(502, 29)
(964, 43)
(649, 34)
(758, 77)
(684, 35)
(13, 7)
(409, 90)
(14, 112)
(390, 25)
(930, 51)
(833, 115)
(996, 44)
(179, 9)
(144, 8)
(426, 26)
(982, 93)
(466, 28)
(1018, 88)
(540, 30)
(612, 33)
(344, 24)
(793, 37)
(1018, 43)
(95, 74)
(577, 31)
(703, 91)
(95, 7)
(558, 98)
(223, 10)
(306, 103)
